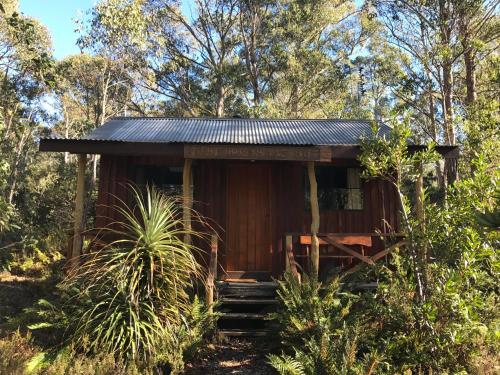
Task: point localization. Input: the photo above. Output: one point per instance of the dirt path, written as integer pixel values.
(242, 357)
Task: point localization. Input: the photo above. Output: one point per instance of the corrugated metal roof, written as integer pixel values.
(234, 131)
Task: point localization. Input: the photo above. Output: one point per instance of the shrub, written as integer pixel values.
(315, 332)
(15, 352)
(18, 356)
(437, 302)
(184, 339)
(134, 294)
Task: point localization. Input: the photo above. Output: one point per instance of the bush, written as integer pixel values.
(184, 339)
(436, 306)
(133, 298)
(15, 353)
(317, 336)
(18, 356)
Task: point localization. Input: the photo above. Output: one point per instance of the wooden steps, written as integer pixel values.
(242, 333)
(245, 306)
(243, 316)
(241, 301)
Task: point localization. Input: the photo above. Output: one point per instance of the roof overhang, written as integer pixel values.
(218, 151)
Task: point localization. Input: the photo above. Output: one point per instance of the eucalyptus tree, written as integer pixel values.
(437, 35)
(375, 75)
(315, 40)
(479, 31)
(89, 90)
(25, 71)
(261, 59)
(440, 37)
(188, 59)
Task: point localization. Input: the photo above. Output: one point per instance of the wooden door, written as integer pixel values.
(248, 222)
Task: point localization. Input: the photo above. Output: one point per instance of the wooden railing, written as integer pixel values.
(349, 246)
(212, 271)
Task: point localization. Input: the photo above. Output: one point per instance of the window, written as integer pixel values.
(338, 188)
(167, 179)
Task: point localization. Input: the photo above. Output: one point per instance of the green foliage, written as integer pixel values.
(389, 158)
(437, 302)
(136, 287)
(436, 305)
(317, 335)
(18, 356)
(185, 338)
(129, 304)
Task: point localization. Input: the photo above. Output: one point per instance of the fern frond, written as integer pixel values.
(286, 365)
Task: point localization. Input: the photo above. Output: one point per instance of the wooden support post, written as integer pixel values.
(288, 248)
(187, 199)
(79, 212)
(314, 218)
(212, 271)
(291, 266)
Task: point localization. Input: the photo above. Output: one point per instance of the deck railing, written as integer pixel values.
(349, 251)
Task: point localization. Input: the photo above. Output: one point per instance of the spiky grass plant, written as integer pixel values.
(136, 288)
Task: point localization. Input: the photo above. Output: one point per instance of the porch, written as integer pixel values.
(246, 301)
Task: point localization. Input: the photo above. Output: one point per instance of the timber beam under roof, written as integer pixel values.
(217, 151)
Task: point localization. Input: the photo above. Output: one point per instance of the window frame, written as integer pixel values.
(306, 189)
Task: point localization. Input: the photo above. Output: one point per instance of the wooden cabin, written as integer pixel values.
(258, 182)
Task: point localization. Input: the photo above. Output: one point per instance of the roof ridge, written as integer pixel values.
(238, 118)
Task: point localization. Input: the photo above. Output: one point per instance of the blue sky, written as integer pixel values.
(58, 16)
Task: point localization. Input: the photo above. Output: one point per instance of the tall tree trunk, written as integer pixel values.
(470, 75)
(101, 120)
(432, 116)
(220, 97)
(450, 167)
(79, 213)
(468, 56)
(66, 132)
(448, 103)
(15, 166)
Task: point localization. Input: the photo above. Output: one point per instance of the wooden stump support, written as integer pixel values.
(314, 219)
(187, 198)
(76, 251)
(290, 264)
(212, 271)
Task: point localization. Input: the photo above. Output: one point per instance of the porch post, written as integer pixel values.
(79, 212)
(187, 199)
(212, 272)
(315, 218)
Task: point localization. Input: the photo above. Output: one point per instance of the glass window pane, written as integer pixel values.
(338, 188)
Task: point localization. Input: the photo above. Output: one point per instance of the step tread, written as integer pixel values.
(243, 316)
(246, 301)
(257, 293)
(242, 332)
(258, 284)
